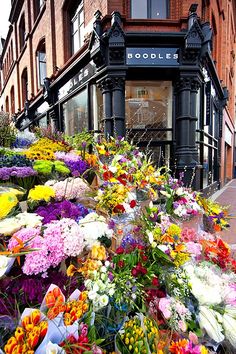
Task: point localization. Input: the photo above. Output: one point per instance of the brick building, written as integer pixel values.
(163, 71)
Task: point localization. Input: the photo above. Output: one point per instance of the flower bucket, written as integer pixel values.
(193, 222)
(208, 224)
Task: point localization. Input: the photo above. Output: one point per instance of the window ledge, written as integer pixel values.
(38, 18)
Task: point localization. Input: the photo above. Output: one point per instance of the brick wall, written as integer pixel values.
(51, 24)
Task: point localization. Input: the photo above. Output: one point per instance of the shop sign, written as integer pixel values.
(77, 80)
(152, 56)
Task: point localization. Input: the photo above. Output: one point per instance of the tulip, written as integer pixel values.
(19, 334)
(35, 317)
(11, 344)
(208, 321)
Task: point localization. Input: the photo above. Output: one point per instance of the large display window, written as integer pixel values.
(75, 113)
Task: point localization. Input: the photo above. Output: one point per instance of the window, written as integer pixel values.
(38, 4)
(41, 63)
(7, 104)
(22, 32)
(24, 85)
(77, 27)
(12, 93)
(75, 113)
(155, 9)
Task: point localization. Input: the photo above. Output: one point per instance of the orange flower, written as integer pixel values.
(71, 270)
(167, 238)
(11, 344)
(19, 334)
(177, 347)
(35, 317)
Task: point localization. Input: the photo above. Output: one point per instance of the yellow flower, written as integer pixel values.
(174, 230)
(204, 350)
(98, 252)
(41, 193)
(7, 202)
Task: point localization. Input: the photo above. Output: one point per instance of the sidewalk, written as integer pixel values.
(227, 196)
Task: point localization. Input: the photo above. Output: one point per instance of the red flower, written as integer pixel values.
(140, 247)
(120, 250)
(132, 204)
(134, 272)
(144, 257)
(119, 209)
(155, 281)
(121, 264)
(107, 175)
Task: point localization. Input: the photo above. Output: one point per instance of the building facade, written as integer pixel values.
(161, 72)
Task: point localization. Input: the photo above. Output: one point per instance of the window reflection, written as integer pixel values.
(75, 113)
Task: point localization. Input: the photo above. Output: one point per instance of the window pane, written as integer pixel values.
(158, 9)
(149, 106)
(75, 114)
(42, 72)
(139, 8)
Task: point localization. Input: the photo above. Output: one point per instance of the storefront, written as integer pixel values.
(167, 98)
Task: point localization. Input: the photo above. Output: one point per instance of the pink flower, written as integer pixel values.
(164, 306)
(24, 235)
(194, 248)
(182, 326)
(193, 338)
(188, 234)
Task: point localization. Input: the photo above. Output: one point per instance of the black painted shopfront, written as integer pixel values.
(159, 89)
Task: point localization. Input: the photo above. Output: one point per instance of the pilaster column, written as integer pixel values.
(118, 105)
(105, 86)
(186, 89)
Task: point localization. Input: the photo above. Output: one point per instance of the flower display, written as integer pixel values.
(74, 162)
(216, 216)
(28, 335)
(44, 149)
(140, 334)
(106, 262)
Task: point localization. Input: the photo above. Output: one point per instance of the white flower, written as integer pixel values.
(111, 291)
(150, 236)
(53, 349)
(163, 248)
(103, 300)
(107, 264)
(103, 269)
(113, 169)
(9, 226)
(4, 261)
(88, 284)
(230, 310)
(165, 194)
(180, 191)
(92, 222)
(229, 325)
(208, 321)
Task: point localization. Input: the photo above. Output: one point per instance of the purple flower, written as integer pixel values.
(18, 172)
(59, 210)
